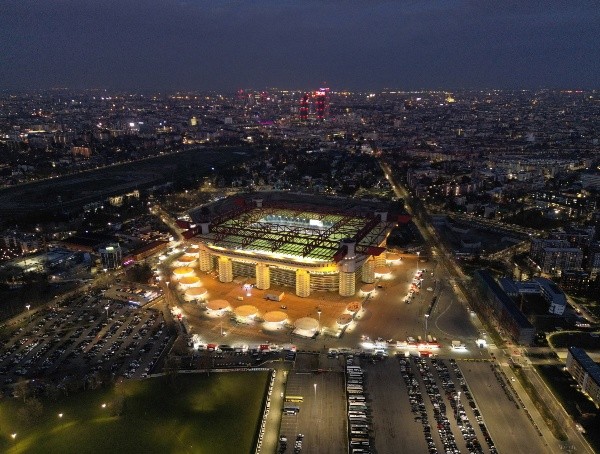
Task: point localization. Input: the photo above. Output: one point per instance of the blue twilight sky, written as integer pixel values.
(229, 44)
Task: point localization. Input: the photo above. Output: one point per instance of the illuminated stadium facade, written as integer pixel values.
(303, 244)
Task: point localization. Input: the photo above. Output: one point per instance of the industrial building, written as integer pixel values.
(303, 244)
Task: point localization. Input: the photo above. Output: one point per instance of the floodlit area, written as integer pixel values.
(185, 413)
(137, 295)
(379, 321)
(302, 235)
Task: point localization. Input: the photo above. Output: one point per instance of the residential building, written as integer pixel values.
(585, 372)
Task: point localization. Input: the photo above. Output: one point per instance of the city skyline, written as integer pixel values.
(197, 45)
(324, 227)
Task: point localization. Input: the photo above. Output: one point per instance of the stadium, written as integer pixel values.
(306, 243)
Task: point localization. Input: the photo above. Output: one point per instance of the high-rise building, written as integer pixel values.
(304, 106)
(555, 256)
(111, 256)
(321, 98)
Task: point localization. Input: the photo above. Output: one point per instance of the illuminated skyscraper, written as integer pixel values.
(322, 103)
(304, 106)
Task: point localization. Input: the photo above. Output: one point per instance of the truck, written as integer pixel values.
(275, 296)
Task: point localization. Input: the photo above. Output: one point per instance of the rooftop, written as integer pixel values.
(506, 300)
(312, 233)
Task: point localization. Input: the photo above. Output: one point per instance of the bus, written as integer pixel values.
(295, 399)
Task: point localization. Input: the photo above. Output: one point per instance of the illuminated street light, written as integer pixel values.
(60, 415)
(426, 318)
(103, 405)
(319, 315)
(28, 306)
(106, 307)
(13, 436)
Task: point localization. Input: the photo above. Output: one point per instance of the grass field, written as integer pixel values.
(191, 414)
(24, 200)
(582, 340)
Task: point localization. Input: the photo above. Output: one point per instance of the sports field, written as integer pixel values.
(191, 413)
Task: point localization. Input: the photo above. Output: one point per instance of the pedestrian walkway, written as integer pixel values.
(551, 443)
(271, 434)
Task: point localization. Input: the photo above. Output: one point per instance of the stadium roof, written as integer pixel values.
(309, 233)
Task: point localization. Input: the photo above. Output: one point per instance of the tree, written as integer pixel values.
(31, 411)
(22, 389)
(172, 366)
(52, 392)
(117, 405)
(140, 273)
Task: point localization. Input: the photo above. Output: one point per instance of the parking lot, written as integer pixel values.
(416, 402)
(393, 425)
(507, 421)
(321, 418)
(85, 334)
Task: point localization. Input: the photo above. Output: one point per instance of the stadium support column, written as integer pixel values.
(380, 260)
(302, 283)
(368, 271)
(347, 267)
(347, 283)
(204, 259)
(225, 269)
(263, 276)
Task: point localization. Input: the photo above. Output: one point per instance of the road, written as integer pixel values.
(168, 220)
(452, 271)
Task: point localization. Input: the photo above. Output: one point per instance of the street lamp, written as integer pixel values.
(106, 307)
(315, 385)
(60, 415)
(319, 315)
(418, 255)
(28, 306)
(426, 318)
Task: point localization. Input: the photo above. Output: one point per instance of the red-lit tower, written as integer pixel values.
(304, 106)
(322, 103)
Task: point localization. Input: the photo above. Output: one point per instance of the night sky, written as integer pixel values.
(368, 44)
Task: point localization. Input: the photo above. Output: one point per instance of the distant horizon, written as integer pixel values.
(172, 45)
(301, 90)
